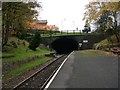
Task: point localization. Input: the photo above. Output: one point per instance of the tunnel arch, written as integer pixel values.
(64, 45)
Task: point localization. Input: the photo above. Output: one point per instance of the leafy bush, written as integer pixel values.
(35, 42)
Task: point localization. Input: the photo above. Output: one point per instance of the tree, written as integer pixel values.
(105, 14)
(15, 15)
(35, 42)
(102, 22)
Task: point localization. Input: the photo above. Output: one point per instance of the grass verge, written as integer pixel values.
(25, 67)
(22, 52)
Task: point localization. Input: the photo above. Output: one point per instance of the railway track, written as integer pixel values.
(39, 79)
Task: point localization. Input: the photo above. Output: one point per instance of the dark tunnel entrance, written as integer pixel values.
(64, 45)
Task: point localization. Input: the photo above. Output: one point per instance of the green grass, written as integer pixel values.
(20, 52)
(91, 53)
(19, 55)
(64, 34)
(25, 67)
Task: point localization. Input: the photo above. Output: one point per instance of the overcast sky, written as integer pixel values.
(66, 14)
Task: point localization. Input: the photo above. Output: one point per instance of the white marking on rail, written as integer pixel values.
(51, 80)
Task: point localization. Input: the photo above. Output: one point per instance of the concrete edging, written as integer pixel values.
(51, 80)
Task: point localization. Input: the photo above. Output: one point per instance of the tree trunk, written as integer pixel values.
(115, 27)
(4, 36)
(5, 29)
(117, 37)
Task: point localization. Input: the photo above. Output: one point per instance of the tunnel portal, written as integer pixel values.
(64, 45)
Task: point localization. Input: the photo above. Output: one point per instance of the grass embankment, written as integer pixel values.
(91, 52)
(27, 66)
(21, 53)
(108, 44)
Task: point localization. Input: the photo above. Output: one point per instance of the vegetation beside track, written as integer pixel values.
(19, 55)
(107, 43)
(25, 67)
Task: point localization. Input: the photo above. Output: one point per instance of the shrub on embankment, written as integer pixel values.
(17, 57)
(107, 43)
(35, 42)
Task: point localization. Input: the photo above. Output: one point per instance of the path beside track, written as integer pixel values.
(87, 69)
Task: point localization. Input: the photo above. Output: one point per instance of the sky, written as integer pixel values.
(66, 14)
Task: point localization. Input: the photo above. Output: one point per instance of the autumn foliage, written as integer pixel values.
(34, 25)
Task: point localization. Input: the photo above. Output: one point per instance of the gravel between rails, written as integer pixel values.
(36, 81)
